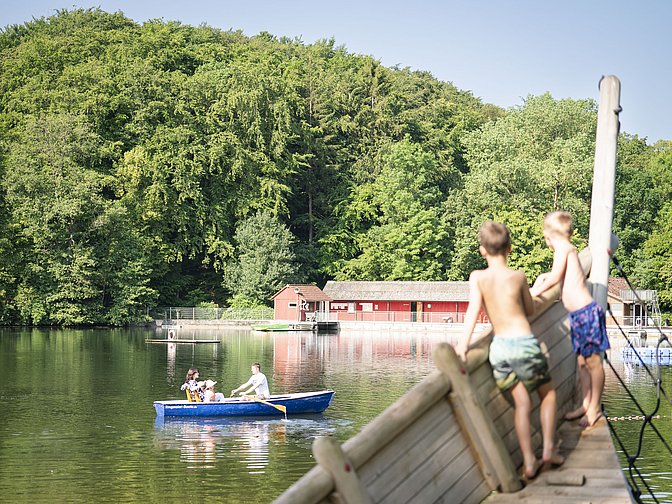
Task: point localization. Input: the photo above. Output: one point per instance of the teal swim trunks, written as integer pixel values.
(518, 359)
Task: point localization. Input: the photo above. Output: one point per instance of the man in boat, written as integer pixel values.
(257, 384)
(518, 364)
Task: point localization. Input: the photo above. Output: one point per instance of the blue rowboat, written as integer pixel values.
(296, 404)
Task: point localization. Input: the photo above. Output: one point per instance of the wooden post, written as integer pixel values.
(349, 487)
(604, 177)
(476, 424)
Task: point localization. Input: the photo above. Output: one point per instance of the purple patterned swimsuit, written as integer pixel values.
(589, 330)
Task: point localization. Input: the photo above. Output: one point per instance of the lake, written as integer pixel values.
(77, 422)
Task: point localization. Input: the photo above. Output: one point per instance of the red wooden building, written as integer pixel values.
(300, 302)
(399, 301)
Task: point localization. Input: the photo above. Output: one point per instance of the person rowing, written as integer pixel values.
(258, 384)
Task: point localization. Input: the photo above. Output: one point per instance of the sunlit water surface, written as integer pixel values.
(654, 461)
(77, 422)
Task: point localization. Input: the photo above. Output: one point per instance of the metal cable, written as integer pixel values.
(647, 418)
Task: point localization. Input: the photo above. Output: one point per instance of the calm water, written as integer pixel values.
(654, 461)
(77, 422)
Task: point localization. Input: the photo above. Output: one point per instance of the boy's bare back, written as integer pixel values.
(506, 298)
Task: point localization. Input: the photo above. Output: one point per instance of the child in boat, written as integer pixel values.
(210, 395)
(191, 383)
(517, 362)
(257, 383)
(586, 317)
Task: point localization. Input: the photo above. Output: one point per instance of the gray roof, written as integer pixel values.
(397, 291)
(309, 292)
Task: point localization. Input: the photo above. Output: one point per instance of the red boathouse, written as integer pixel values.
(396, 301)
(300, 302)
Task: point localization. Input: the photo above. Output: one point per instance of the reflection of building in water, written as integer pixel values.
(170, 368)
(300, 359)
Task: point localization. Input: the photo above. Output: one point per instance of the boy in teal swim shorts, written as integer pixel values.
(515, 356)
(586, 317)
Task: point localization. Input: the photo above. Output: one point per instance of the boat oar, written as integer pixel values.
(276, 406)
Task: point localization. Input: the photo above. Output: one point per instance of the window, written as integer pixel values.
(291, 304)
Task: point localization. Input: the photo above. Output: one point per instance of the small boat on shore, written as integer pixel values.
(295, 404)
(285, 326)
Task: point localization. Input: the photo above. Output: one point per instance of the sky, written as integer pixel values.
(500, 50)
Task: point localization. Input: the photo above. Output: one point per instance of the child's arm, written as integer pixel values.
(528, 304)
(475, 304)
(547, 280)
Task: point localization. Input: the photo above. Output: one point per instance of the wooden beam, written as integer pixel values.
(349, 487)
(479, 429)
(604, 180)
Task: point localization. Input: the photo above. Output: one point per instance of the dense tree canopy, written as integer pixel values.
(153, 164)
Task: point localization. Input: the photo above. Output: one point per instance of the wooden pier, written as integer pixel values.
(591, 472)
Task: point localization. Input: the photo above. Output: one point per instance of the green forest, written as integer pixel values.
(157, 164)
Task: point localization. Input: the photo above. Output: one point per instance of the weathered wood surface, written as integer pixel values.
(590, 456)
(330, 456)
(382, 431)
(476, 424)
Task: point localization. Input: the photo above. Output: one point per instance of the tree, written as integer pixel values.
(264, 261)
(404, 239)
(536, 159)
(654, 269)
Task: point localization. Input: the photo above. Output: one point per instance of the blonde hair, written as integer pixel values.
(559, 223)
(494, 237)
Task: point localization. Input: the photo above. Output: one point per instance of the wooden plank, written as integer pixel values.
(314, 486)
(411, 449)
(453, 490)
(436, 473)
(589, 454)
(489, 451)
(317, 484)
(385, 427)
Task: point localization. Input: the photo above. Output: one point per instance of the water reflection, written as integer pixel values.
(171, 351)
(627, 420)
(202, 441)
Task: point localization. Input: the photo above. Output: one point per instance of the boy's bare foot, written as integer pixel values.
(531, 471)
(554, 458)
(589, 420)
(577, 413)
